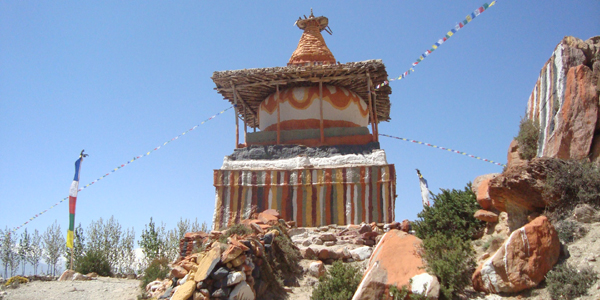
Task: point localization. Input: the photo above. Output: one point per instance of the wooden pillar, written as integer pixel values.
(278, 116)
(371, 107)
(245, 126)
(376, 117)
(237, 125)
(321, 112)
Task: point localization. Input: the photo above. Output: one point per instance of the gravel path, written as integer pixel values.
(98, 289)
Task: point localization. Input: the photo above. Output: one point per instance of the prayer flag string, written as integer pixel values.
(121, 166)
(442, 148)
(437, 44)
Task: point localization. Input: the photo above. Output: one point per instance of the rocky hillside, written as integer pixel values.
(542, 212)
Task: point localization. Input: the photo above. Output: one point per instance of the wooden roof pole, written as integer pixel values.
(371, 107)
(321, 112)
(245, 126)
(375, 109)
(278, 116)
(235, 114)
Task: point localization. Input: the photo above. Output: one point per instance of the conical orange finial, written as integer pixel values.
(312, 49)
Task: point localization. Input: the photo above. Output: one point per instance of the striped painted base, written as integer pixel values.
(310, 197)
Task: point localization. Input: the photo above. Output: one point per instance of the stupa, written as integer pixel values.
(313, 157)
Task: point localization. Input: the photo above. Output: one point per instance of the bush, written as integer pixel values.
(570, 231)
(405, 294)
(158, 269)
(566, 282)
(238, 229)
(340, 283)
(15, 281)
(451, 213)
(572, 182)
(451, 259)
(528, 136)
(93, 261)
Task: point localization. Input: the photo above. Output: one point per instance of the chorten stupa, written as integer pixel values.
(313, 157)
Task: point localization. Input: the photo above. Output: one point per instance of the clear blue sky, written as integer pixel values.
(119, 78)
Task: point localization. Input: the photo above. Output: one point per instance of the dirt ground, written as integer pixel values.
(98, 289)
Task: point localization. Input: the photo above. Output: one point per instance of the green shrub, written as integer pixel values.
(572, 182)
(570, 231)
(158, 269)
(452, 260)
(287, 256)
(451, 213)
(528, 136)
(238, 229)
(93, 261)
(340, 283)
(405, 294)
(566, 282)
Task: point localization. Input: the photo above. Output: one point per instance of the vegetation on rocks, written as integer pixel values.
(404, 293)
(158, 268)
(566, 282)
(573, 182)
(452, 214)
(446, 229)
(340, 283)
(569, 231)
(528, 136)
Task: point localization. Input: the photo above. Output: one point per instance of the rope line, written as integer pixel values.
(119, 167)
(442, 148)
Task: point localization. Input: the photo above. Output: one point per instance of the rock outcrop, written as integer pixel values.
(565, 101)
(394, 262)
(519, 191)
(522, 261)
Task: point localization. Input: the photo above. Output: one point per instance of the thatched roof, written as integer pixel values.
(254, 85)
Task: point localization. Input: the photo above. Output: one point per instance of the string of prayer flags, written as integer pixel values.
(437, 44)
(442, 148)
(119, 167)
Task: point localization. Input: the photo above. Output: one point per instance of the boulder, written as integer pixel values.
(426, 285)
(483, 197)
(207, 262)
(513, 158)
(394, 262)
(486, 216)
(178, 272)
(316, 269)
(405, 226)
(268, 218)
(327, 237)
(67, 275)
(242, 291)
(362, 253)
(519, 191)
(585, 213)
(184, 291)
(323, 254)
(231, 253)
(308, 253)
(522, 261)
(235, 278)
(364, 228)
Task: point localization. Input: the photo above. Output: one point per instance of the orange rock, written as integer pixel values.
(178, 271)
(231, 253)
(405, 226)
(394, 262)
(486, 216)
(268, 218)
(522, 261)
(483, 196)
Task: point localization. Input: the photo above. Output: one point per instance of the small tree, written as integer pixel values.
(340, 283)
(36, 250)
(153, 242)
(78, 247)
(127, 259)
(528, 137)
(54, 242)
(24, 250)
(6, 250)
